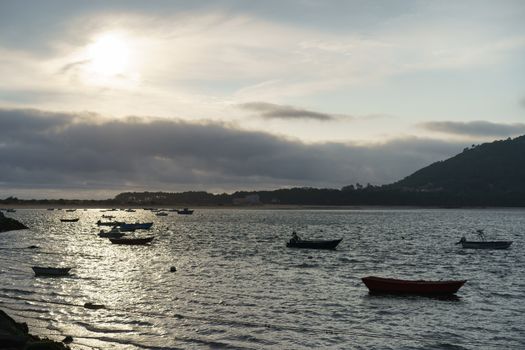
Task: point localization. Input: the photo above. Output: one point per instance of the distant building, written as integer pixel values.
(251, 199)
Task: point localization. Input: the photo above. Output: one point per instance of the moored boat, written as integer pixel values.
(161, 213)
(70, 220)
(314, 244)
(109, 223)
(482, 243)
(185, 211)
(115, 232)
(422, 287)
(132, 241)
(136, 226)
(51, 271)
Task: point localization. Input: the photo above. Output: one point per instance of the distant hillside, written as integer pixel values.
(491, 174)
(491, 169)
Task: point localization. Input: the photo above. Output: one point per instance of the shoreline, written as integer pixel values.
(15, 335)
(255, 207)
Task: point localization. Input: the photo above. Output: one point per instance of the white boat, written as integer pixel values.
(113, 233)
(482, 243)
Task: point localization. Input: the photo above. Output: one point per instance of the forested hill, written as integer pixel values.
(496, 168)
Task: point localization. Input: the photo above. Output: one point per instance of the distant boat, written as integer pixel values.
(70, 220)
(71, 210)
(130, 210)
(51, 271)
(421, 287)
(185, 211)
(132, 241)
(10, 210)
(162, 214)
(108, 216)
(313, 244)
(483, 244)
(136, 226)
(109, 223)
(51, 209)
(115, 232)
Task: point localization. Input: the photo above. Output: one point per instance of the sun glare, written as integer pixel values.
(109, 55)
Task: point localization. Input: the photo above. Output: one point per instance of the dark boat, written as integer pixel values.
(136, 226)
(70, 220)
(115, 232)
(396, 286)
(109, 223)
(313, 244)
(51, 271)
(483, 244)
(185, 211)
(132, 241)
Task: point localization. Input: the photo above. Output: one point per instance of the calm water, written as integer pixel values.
(238, 287)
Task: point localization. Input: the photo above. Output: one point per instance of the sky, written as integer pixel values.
(101, 97)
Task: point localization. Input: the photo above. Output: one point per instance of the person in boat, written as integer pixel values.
(481, 234)
(295, 238)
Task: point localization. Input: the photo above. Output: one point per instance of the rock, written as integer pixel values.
(14, 335)
(9, 224)
(68, 339)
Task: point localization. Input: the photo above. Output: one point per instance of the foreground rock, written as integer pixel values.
(14, 335)
(8, 224)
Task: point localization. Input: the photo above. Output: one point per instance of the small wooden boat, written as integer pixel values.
(313, 244)
(136, 226)
(132, 241)
(162, 214)
(483, 244)
(115, 232)
(185, 211)
(109, 223)
(70, 220)
(94, 306)
(71, 210)
(397, 286)
(51, 271)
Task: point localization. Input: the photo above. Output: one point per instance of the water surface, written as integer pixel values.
(238, 287)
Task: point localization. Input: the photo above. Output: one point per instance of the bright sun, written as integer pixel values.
(109, 55)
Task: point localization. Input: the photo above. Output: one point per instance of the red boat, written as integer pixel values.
(397, 286)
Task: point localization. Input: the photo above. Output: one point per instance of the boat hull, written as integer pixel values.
(379, 285)
(69, 220)
(317, 244)
(109, 223)
(131, 241)
(486, 244)
(136, 226)
(51, 271)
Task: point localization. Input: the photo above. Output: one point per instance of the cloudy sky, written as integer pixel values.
(99, 97)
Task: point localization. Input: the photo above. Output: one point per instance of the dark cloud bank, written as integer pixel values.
(44, 150)
(274, 111)
(476, 128)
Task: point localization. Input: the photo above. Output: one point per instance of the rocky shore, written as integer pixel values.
(9, 224)
(15, 336)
